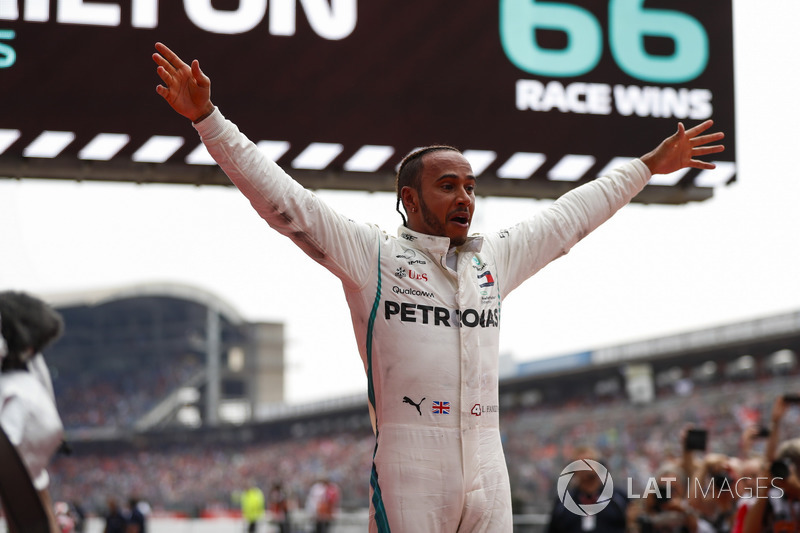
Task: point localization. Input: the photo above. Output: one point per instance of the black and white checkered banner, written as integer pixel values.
(367, 158)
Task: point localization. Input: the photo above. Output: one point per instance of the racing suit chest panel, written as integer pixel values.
(435, 339)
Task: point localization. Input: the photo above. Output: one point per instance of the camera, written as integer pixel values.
(791, 398)
(661, 498)
(721, 479)
(780, 468)
(696, 439)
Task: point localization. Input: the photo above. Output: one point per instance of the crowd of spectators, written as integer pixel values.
(103, 398)
(634, 441)
(190, 480)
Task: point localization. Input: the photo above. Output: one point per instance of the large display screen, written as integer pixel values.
(540, 96)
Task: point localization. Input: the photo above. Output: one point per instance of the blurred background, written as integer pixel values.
(204, 353)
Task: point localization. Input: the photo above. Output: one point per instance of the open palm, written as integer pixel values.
(185, 88)
(681, 149)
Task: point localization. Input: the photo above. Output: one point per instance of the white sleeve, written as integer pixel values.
(38, 368)
(31, 422)
(530, 245)
(344, 247)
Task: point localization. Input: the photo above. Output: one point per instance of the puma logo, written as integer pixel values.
(408, 400)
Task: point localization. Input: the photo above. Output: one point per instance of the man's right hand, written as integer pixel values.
(185, 88)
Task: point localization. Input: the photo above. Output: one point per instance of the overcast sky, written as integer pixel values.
(650, 271)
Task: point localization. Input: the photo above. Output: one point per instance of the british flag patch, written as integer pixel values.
(441, 408)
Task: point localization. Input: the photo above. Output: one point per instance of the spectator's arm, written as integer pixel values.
(778, 410)
(688, 464)
(754, 518)
(746, 444)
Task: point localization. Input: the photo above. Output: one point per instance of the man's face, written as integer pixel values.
(588, 481)
(447, 196)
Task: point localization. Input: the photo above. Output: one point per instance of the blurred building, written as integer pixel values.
(153, 356)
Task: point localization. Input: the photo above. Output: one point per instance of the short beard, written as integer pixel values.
(435, 225)
(427, 216)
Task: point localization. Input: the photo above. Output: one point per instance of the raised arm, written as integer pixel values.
(341, 245)
(551, 233)
(185, 88)
(681, 149)
(778, 410)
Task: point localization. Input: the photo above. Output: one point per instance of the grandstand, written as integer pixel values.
(129, 356)
(148, 356)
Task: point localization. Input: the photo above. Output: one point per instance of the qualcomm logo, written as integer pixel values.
(586, 509)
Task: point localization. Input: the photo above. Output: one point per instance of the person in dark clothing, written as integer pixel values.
(278, 502)
(136, 519)
(586, 489)
(80, 516)
(115, 521)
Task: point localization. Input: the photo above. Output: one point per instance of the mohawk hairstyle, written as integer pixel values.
(410, 171)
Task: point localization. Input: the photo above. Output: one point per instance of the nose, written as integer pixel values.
(464, 197)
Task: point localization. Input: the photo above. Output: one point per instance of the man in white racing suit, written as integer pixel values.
(425, 305)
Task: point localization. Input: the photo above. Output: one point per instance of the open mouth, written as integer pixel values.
(460, 218)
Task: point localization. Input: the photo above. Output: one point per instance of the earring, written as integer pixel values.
(413, 209)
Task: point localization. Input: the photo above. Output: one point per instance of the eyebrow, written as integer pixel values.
(447, 176)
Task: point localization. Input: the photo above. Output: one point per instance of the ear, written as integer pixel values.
(410, 199)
